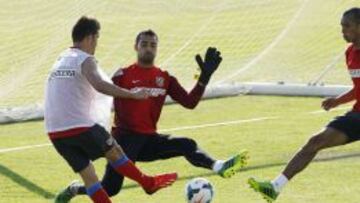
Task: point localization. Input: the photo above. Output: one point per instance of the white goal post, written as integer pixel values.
(36, 111)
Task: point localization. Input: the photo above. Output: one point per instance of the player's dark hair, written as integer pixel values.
(84, 27)
(353, 14)
(148, 32)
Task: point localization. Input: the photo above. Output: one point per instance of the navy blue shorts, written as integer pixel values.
(349, 124)
(80, 149)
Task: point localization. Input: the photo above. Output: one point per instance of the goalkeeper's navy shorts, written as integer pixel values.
(90, 145)
(349, 124)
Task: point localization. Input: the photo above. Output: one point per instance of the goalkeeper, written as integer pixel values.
(135, 121)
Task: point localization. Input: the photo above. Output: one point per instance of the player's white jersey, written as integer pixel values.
(69, 97)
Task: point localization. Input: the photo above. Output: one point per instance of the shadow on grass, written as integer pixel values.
(25, 183)
(262, 166)
(32, 187)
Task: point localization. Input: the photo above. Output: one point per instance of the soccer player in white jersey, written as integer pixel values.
(69, 116)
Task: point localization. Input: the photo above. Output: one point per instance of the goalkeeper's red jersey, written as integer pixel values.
(141, 116)
(353, 64)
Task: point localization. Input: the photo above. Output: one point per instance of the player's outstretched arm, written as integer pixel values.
(330, 103)
(90, 71)
(185, 99)
(207, 67)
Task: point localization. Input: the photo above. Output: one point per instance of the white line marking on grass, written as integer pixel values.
(224, 123)
(337, 109)
(218, 124)
(234, 122)
(24, 147)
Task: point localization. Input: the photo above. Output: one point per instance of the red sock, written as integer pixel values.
(98, 194)
(127, 168)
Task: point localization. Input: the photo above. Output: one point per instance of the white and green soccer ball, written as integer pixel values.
(199, 190)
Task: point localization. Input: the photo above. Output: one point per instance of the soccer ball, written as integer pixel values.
(199, 190)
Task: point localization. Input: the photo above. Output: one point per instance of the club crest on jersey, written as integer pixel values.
(159, 81)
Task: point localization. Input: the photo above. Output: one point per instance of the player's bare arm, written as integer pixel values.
(89, 70)
(330, 103)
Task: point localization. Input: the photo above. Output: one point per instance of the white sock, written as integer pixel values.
(218, 165)
(279, 182)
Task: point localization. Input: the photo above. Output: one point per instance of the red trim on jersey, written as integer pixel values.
(68, 133)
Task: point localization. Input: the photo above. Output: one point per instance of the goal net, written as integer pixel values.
(287, 41)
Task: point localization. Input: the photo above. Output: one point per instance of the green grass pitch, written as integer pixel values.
(35, 175)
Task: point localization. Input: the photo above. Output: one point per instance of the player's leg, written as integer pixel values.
(342, 130)
(93, 186)
(112, 181)
(165, 146)
(97, 143)
(325, 139)
(80, 163)
(124, 166)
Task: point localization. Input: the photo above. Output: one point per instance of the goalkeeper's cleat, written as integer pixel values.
(265, 188)
(68, 193)
(234, 164)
